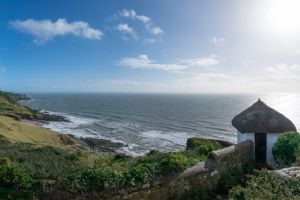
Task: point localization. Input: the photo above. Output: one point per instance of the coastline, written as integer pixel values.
(90, 143)
(139, 131)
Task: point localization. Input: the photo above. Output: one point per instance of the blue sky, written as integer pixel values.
(188, 46)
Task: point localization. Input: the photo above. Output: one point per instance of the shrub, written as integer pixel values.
(236, 176)
(203, 146)
(13, 176)
(263, 185)
(84, 179)
(140, 173)
(174, 162)
(286, 148)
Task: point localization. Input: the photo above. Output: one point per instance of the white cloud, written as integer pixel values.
(143, 62)
(156, 30)
(46, 30)
(216, 40)
(149, 25)
(132, 14)
(128, 13)
(284, 69)
(143, 18)
(203, 61)
(125, 28)
(298, 52)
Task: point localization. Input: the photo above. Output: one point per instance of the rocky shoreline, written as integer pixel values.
(39, 118)
(93, 144)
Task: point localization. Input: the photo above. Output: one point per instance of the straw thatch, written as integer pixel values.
(260, 118)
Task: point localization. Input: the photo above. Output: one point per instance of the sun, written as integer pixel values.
(280, 17)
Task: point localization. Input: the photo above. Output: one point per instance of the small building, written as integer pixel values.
(262, 125)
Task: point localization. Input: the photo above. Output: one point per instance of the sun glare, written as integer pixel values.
(281, 17)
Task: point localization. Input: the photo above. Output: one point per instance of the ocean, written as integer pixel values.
(144, 122)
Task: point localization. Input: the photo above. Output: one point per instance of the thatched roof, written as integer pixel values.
(260, 118)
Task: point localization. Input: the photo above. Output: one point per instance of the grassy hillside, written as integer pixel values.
(17, 131)
(9, 107)
(15, 96)
(16, 127)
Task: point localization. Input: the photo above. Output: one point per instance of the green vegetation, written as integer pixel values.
(203, 146)
(263, 185)
(287, 148)
(82, 171)
(9, 107)
(15, 96)
(17, 131)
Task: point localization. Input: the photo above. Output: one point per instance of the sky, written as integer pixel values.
(169, 46)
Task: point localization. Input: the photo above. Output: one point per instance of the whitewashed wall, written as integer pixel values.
(271, 140)
(245, 136)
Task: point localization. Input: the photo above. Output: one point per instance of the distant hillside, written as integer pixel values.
(10, 107)
(15, 96)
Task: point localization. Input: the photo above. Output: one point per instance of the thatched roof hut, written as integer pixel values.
(262, 125)
(260, 118)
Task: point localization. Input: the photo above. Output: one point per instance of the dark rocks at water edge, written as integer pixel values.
(45, 116)
(102, 145)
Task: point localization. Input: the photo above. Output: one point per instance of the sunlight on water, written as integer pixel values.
(287, 104)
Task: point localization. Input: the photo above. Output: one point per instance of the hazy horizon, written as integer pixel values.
(175, 47)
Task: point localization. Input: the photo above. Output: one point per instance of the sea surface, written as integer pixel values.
(155, 121)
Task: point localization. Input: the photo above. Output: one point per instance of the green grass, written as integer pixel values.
(17, 131)
(9, 107)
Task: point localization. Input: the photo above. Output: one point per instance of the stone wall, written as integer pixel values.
(204, 175)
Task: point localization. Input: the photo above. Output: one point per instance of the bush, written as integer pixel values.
(84, 180)
(286, 148)
(236, 176)
(263, 185)
(174, 162)
(203, 146)
(13, 176)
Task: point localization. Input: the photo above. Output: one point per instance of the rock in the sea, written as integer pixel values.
(102, 145)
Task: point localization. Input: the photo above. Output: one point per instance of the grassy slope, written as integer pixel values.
(11, 108)
(16, 131)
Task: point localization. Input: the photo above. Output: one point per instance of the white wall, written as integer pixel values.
(246, 136)
(271, 140)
